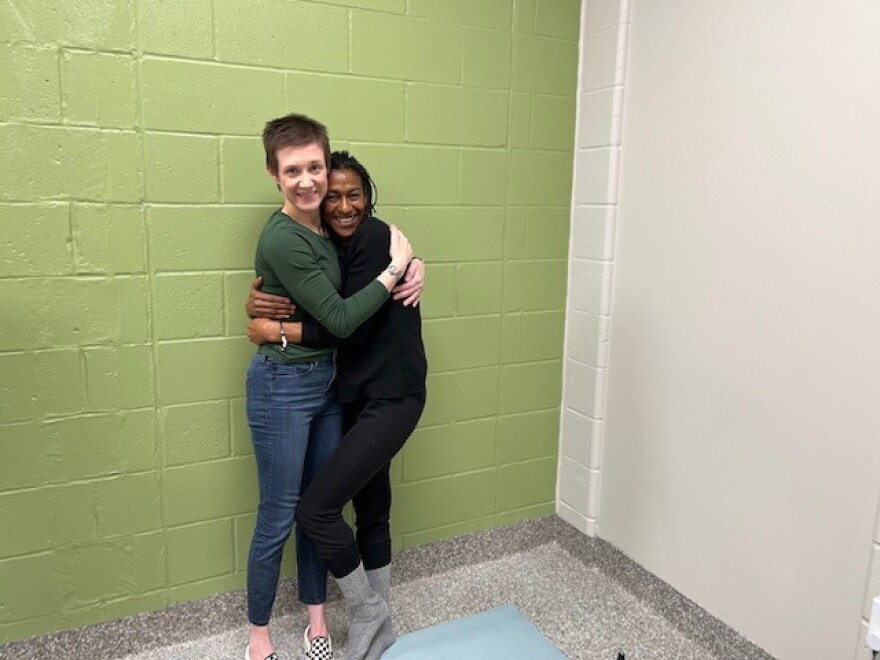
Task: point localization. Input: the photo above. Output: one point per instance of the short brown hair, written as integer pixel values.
(293, 131)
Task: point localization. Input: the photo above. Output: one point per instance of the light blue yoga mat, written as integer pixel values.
(502, 633)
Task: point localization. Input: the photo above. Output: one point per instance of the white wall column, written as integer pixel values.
(604, 29)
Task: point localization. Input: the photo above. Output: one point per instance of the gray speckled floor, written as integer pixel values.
(587, 598)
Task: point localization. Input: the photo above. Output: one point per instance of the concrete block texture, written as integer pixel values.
(478, 287)
(462, 342)
(44, 163)
(134, 190)
(197, 97)
(547, 232)
(418, 175)
(599, 120)
(527, 436)
(533, 179)
(530, 386)
(462, 396)
(584, 389)
(433, 115)
(574, 485)
(521, 119)
(552, 122)
(597, 171)
(101, 89)
(579, 433)
(476, 186)
(485, 59)
(872, 589)
(196, 432)
(527, 483)
(45, 383)
(216, 558)
(530, 75)
(405, 47)
(527, 285)
(30, 79)
(36, 240)
(189, 305)
(70, 312)
(264, 34)
(435, 452)
(592, 232)
(365, 109)
(603, 14)
(171, 177)
(119, 377)
(456, 234)
(109, 239)
(491, 13)
(558, 19)
(531, 336)
(587, 335)
(183, 29)
(603, 64)
(108, 25)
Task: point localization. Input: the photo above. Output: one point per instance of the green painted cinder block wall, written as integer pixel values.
(132, 194)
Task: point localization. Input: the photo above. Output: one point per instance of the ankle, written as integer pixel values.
(318, 631)
(317, 621)
(260, 643)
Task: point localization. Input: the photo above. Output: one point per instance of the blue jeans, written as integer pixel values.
(296, 425)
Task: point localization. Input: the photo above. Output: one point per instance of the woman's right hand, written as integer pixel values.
(263, 331)
(400, 251)
(411, 285)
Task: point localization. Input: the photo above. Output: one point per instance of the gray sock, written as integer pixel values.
(368, 613)
(380, 580)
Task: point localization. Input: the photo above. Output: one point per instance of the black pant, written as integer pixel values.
(358, 472)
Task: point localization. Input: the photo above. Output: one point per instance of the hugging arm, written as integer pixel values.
(369, 253)
(295, 266)
(364, 256)
(260, 304)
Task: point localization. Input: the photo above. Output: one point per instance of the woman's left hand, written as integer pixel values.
(410, 288)
(262, 331)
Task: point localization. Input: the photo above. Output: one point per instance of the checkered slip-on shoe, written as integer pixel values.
(319, 648)
(247, 654)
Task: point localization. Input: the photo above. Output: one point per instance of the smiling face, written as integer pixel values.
(345, 203)
(302, 177)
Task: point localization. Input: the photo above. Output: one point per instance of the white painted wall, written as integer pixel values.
(601, 91)
(741, 460)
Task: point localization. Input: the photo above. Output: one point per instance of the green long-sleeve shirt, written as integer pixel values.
(298, 263)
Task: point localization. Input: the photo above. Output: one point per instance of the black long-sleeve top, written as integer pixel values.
(385, 357)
